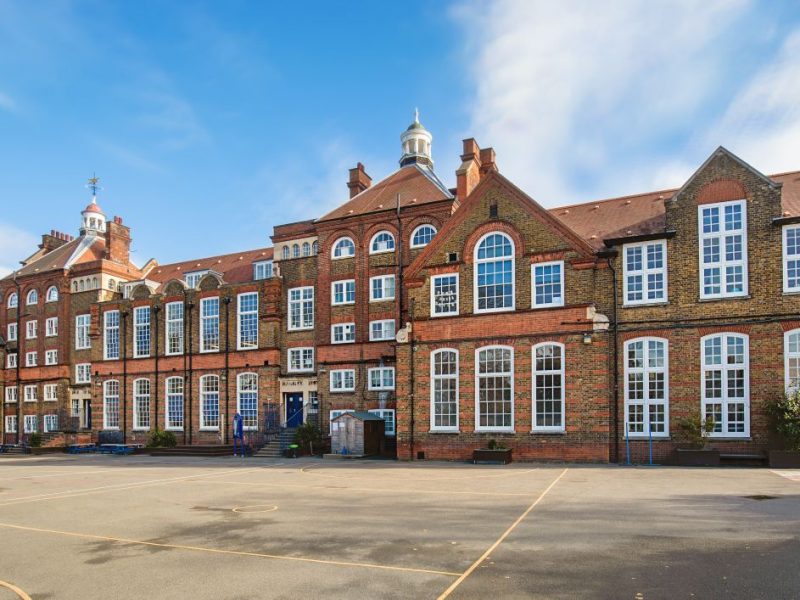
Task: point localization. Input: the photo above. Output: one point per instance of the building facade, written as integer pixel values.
(458, 315)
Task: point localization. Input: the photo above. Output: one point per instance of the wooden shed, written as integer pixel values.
(357, 433)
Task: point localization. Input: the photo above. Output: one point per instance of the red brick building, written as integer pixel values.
(458, 315)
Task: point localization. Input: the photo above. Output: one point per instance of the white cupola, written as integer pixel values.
(416, 142)
(93, 219)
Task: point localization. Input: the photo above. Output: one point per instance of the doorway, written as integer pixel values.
(294, 409)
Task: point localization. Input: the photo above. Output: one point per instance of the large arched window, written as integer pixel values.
(494, 273)
(141, 404)
(494, 387)
(726, 383)
(13, 300)
(174, 403)
(209, 402)
(306, 249)
(548, 387)
(285, 252)
(422, 236)
(791, 357)
(383, 241)
(52, 294)
(444, 390)
(295, 251)
(247, 399)
(647, 387)
(315, 248)
(32, 298)
(344, 248)
(111, 404)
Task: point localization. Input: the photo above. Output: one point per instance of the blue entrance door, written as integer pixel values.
(294, 410)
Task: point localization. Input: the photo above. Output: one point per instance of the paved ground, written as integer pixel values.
(140, 527)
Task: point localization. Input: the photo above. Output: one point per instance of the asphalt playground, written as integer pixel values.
(93, 527)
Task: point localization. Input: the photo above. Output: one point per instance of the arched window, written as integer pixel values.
(112, 285)
(383, 241)
(422, 236)
(13, 300)
(548, 387)
(315, 248)
(494, 385)
(52, 294)
(94, 283)
(209, 402)
(494, 273)
(306, 249)
(141, 404)
(295, 251)
(111, 404)
(647, 387)
(74, 286)
(791, 356)
(174, 403)
(247, 399)
(444, 390)
(32, 298)
(81, 285)
(286, 252)
(344, 248)
(726, 383)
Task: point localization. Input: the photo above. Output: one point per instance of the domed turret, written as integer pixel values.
(93, 219)
(416, 142)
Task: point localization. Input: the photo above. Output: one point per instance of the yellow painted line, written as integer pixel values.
(510, 473)
(337, 563)
(15, 589)
(499, 540)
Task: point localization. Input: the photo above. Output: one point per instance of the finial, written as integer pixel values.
(92, 185)
(416, 115)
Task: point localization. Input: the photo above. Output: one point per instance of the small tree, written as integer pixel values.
(785, 415)
(307, 435)
(162, 439)
(696, 429)
(35, 440)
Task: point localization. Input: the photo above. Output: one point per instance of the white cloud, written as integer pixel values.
(15, 245)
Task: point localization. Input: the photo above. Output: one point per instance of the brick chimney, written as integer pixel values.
(488, 161)
(468, 175)
(359, 180)
(118, 241)
(54, 239)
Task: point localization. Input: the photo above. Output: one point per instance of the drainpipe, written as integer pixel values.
(156, 311)
(226, 300)
(188, 376)
(124, 315)
(615, 355)
(412, 369)
(19, 359)
(399, 285)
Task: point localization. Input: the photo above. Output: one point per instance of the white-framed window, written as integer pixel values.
(13, 300)
(174, 341)
(247, 337)
(111, 335)
(387, 414)
(343, 248)
(723, 249)
(647, 387)
(111, 404)
(83, 373)
(75, 408)
(31, 330)
(51, 327)
(12, 395)
(444, 295)
(209, 402)
(82, 324)
(547, 284)
(791, 358)
(381, 330)
(343, 333)
(381, 378)
(11, 330)
(548, 387)
(285, 253)
(247, 400)
(32, 298)
(209, 325)
(301, 359)
(31, 393)
(645, 277)
(51, 357)
(11, 360)
(141, 404)
(50, 392)
(335, 413)
(726, 383)
(343, 380)
(301, 308)
(31, 359)
(262, 270)
(295, 251)
(50, 423)
(192, 279)
(174, 410)
(444, 390)
(494, 273)
(11, 423)
(31, 423)
(343, 292)
(52, 294)
(494, 385)
(383, 241)
(141, 331)
(306, 249)
(381, 288)
(791, 258)
(422, 236)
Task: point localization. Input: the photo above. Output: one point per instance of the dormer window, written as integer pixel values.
(382, 241)
(344, 248)
(262, 270)
(192, 279)
(723, 249)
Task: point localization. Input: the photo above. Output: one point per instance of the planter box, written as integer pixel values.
(698, 458)
(784, 459)
(502, 457)
(48, 450)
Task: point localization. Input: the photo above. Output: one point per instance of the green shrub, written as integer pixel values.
(785, 417)
(35, 440)
(308, 435)
(696, 429)
(162, 439)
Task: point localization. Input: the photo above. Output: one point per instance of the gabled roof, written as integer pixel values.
(234, 268)
(62, 257)
(416, 185)
(361, 415)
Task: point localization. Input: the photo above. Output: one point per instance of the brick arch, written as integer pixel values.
(22, 300)
(332, 237)
(721, 190)
(409, 227)
(372, 230)
(502, 227)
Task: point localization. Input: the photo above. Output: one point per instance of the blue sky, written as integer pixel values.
(209, 123)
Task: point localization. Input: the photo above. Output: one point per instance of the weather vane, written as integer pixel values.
(92, 185)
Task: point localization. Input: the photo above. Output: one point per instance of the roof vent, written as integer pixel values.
(593, 237)
(493, 210)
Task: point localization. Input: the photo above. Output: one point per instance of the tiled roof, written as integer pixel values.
(52, 261)
(416, 185)
(790, 194)
(234, 268)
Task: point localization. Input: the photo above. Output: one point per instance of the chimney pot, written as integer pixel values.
(359, 180)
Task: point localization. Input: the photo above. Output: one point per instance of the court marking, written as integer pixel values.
(338, 563)
(791, 474)
(315, 471)
(15, 589)
(21, 477)
(499, 540)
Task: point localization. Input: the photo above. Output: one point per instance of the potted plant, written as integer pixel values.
(493, 453)
(785, 419)
(307, 436)
(697, 453)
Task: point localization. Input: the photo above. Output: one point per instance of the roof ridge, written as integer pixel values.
(626, 197)
(179, 262)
